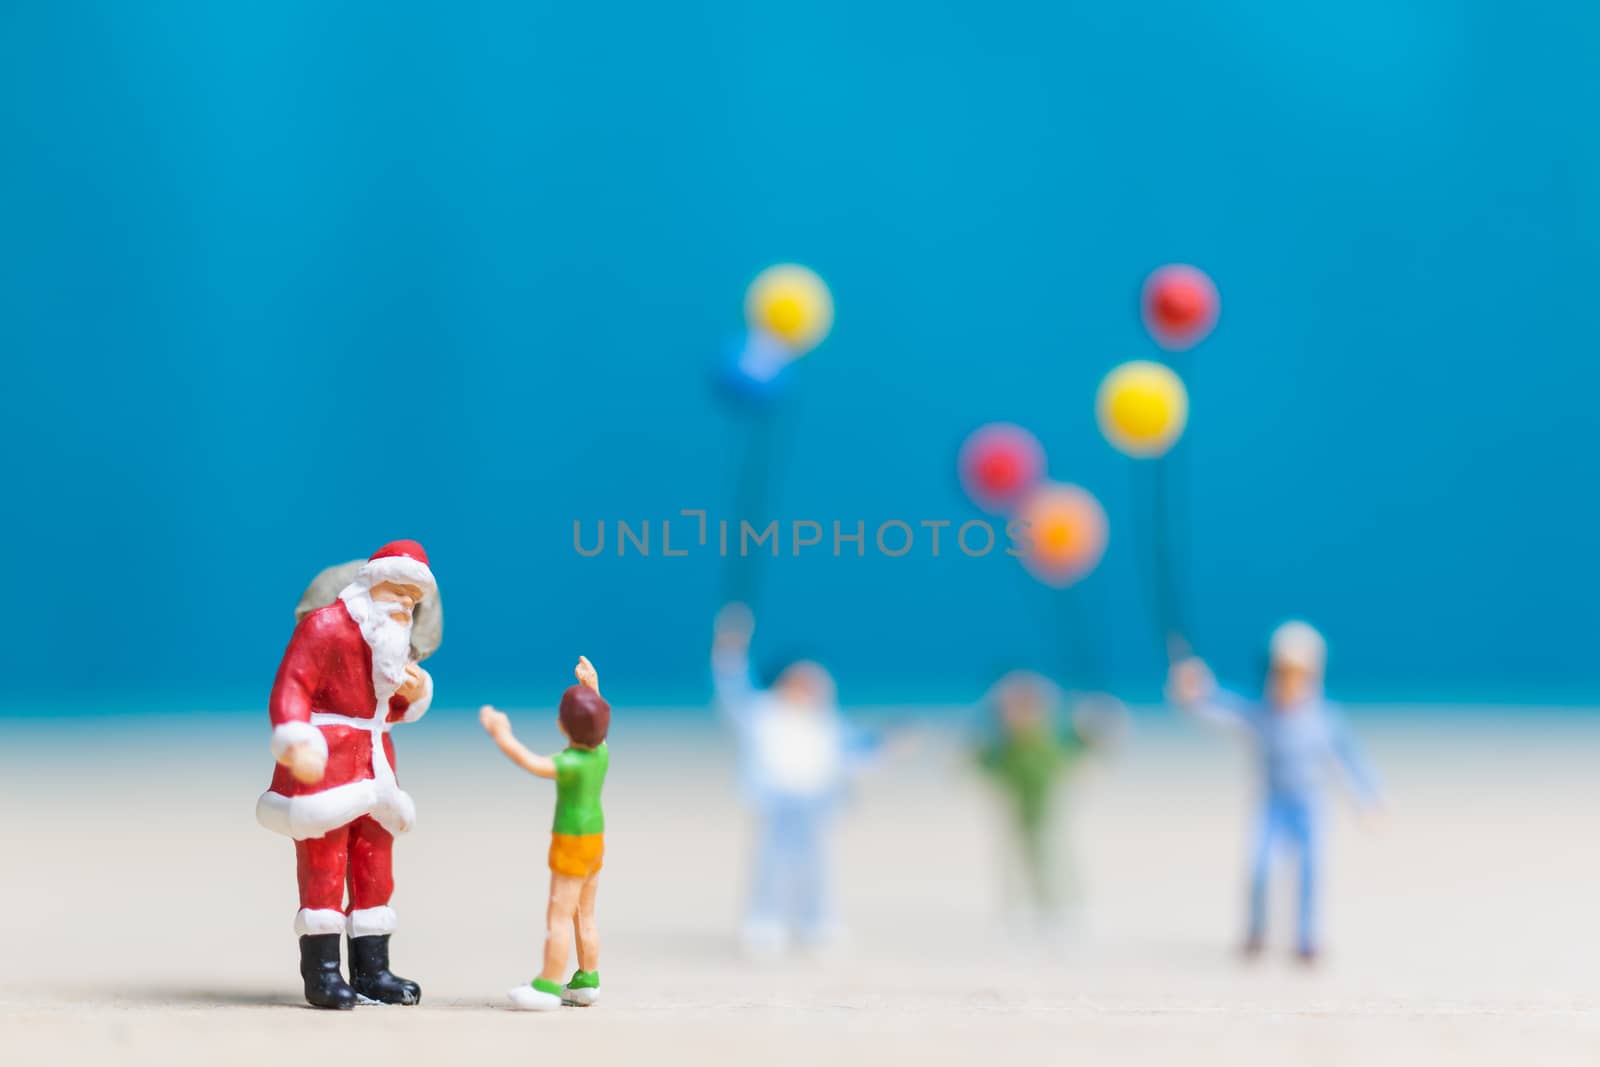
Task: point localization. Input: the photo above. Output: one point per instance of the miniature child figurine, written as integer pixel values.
(346, 679)
(796, 754)
(1297, 734)
(577, 840)
(1029, 756)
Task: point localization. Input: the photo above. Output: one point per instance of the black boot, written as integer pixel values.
(370, 974)
(319, 966)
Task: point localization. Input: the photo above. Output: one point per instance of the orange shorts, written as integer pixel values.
(576, 855)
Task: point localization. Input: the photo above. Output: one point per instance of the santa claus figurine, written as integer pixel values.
(345, 680)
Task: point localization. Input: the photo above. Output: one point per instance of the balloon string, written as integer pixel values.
(734, 566)
(1077, 640)
(753, 445)
(1159, 580)
(1169, 608)
(1067, 636)
(1180, 558)
(1180, 563)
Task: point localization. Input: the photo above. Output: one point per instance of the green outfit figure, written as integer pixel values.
(1027, 756)
(577, 840)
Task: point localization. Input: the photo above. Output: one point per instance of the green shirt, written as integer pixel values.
(580, 772)
(1028, 766)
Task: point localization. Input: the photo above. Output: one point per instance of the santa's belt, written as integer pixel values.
(373, 725)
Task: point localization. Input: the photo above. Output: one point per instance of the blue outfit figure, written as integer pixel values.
(797, 755)
(1298, 737)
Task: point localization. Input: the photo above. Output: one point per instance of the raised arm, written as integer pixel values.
(586, 674)
(498, 726)
(730, 660)
(1193, 689)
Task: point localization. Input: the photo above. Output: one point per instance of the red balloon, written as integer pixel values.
(1180, 306)
(998, 463)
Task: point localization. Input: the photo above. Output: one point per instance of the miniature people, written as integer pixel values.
(1028, 756)
(1296, 734)
(796, 755)
(577, 840)
(345, 680)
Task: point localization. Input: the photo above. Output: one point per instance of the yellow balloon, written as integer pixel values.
(1142, 407)
(792, 304)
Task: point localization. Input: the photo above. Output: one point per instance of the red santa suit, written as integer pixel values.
(327, 696)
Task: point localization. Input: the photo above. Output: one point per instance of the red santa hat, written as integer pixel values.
(398, 561)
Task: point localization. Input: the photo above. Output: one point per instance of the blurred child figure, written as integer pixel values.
(796, 756)
(1028, 753)
(1297, 735)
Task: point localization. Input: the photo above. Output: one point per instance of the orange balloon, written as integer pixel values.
(1065, 533)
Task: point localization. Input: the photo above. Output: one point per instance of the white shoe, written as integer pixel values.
(764, 939)
(579, 998)
(826, 938)
(527, 998)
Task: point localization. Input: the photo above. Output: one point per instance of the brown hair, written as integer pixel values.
(584, 715)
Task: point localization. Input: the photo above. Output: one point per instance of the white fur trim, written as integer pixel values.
(318, 921)
(396, 812)
(314, 814)
(367, 921)
(580, 998)
(298, 733)
(419, 707)
(401, 569)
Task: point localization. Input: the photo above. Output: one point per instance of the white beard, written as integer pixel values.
(389, 640)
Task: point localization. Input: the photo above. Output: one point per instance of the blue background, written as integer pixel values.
(280, 282)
